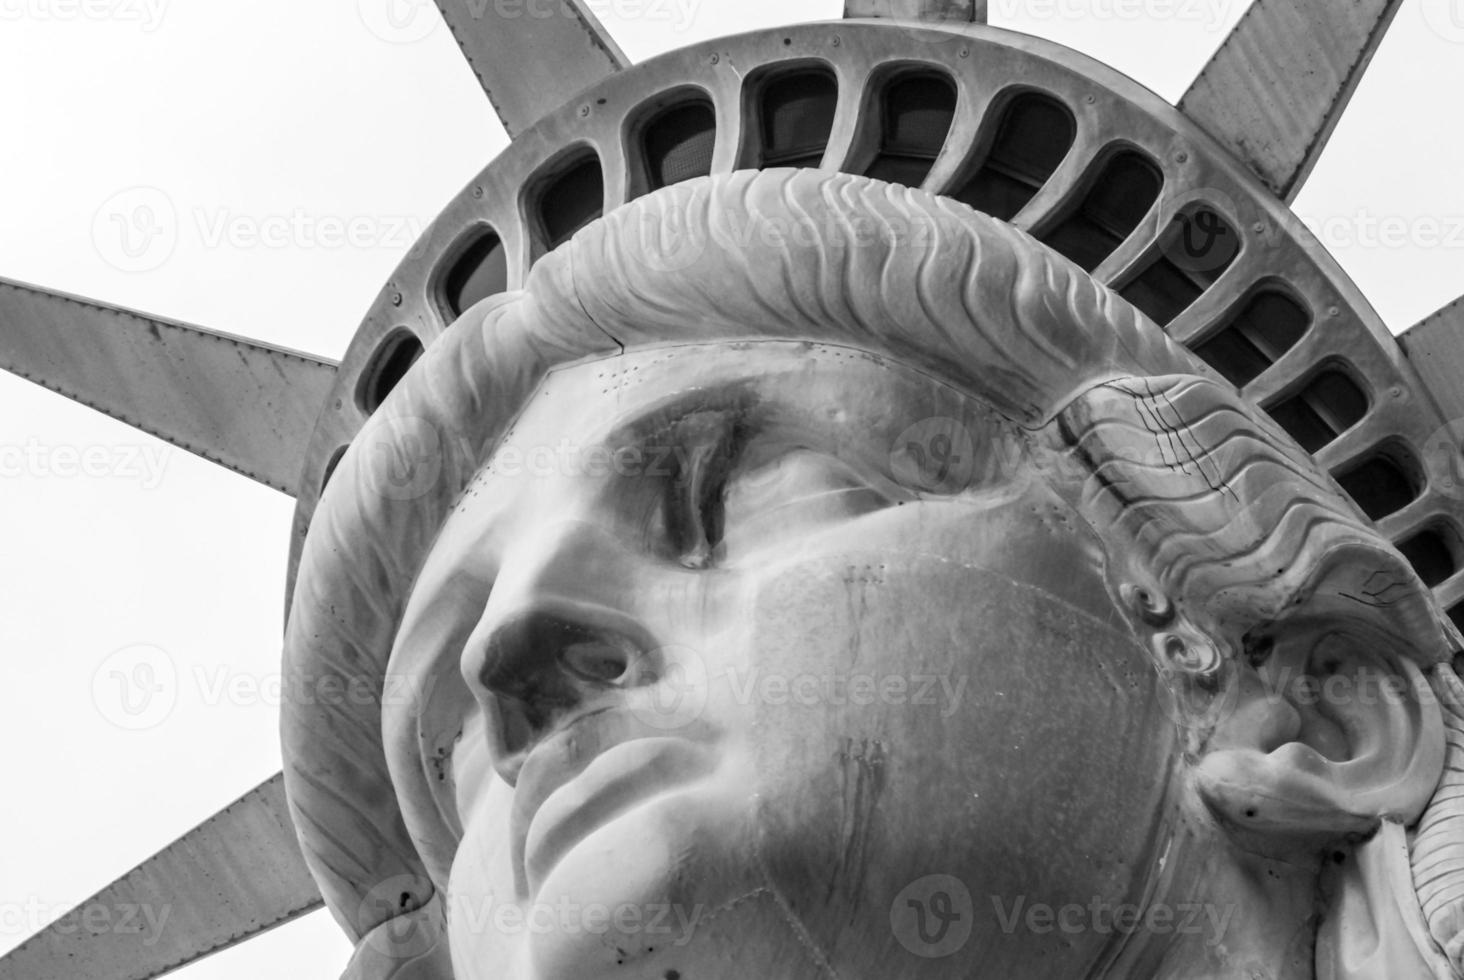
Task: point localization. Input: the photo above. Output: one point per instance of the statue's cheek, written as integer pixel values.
(917, 717)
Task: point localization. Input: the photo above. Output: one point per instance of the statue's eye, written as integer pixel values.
(792, 491)
(697, 487)
(695, 512)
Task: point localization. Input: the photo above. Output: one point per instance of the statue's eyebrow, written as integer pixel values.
(666, 422)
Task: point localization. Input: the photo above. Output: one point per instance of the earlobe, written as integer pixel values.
(1324, 741)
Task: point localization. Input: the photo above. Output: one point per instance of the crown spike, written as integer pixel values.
(528, 64)
(1435, 348)
(958, 11)
(1278, 85)
(248, 406)
(231, 878)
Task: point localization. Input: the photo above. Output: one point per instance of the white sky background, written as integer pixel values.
(245, 112)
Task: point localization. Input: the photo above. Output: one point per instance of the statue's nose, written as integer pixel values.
(560, 637)
(546, 665)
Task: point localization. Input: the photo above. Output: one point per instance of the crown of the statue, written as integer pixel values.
(1079, 156)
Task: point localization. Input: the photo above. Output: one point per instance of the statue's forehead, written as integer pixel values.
(837, 382)
(593, 422)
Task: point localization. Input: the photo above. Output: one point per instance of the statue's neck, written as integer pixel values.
(1232, 914)
(1348, 914)
(1270, 911)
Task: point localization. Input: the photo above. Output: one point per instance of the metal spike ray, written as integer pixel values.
(235, 876)
(1435, 348)
(1279, 84)
(959, 11)
(248, 406)
(531, 64)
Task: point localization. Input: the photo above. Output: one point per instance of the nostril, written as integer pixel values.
(598, 660)
(528, 658)
(541, 668)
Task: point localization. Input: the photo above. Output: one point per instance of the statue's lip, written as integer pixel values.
(563, 807)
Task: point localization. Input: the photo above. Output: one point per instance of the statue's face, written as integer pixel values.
(795, 662)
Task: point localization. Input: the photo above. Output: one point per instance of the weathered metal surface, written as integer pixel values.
(1278, 85)
(960, 11)
(1109, 110)
(243, 404)
(1435, 346)
(530, 63)
(235, 876)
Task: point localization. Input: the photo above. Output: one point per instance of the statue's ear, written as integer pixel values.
(1330, 726)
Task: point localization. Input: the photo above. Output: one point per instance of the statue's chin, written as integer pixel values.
(658, 891)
